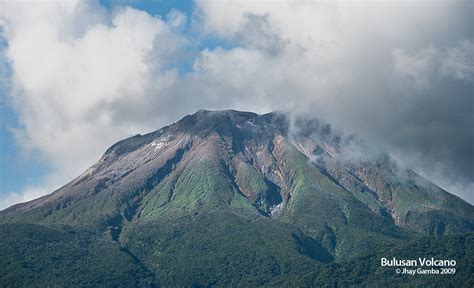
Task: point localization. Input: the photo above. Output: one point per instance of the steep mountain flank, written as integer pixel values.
(234, 198)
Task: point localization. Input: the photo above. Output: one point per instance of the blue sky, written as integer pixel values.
(88, 74)
(19, 168)
(156, 7)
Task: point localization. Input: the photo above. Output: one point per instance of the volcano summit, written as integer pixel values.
(229, 198)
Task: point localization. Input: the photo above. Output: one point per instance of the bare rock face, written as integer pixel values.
(211, 158)
(223, 187)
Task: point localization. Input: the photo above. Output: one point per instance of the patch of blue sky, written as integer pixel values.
(154, 7)
(197, 41)
(17, 169)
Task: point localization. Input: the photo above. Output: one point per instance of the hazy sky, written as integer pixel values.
(78, 76)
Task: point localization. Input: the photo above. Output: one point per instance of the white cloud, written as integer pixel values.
(429, 64)
(176, 19)
(70, 67)
(31, 192)
(84, 77)
(27, 194)
(387, 71)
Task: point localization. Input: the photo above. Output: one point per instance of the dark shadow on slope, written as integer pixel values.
(228, 171)
(140, 264)
(311, 248)
(165, 170)
(133, 202)
(115, 225)
(325, 172)
(273, 195)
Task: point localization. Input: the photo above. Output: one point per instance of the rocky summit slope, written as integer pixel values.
(230, 198)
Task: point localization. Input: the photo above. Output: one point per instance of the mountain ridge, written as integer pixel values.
(232, 132)
(215, 180)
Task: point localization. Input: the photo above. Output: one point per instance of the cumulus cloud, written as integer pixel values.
(431, 64)
(387, 71)
(176, 19)
(84, 77)
(27, 194)
(74, 66)
(50, 183)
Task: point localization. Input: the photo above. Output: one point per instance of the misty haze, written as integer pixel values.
(229, 143)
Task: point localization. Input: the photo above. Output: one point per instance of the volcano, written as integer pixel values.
(230, 198)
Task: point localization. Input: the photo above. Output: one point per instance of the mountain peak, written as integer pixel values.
(252, 158)
(233, 174)
(227, 123)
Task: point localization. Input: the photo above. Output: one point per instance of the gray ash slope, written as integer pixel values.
(228, 181)
(403, 197)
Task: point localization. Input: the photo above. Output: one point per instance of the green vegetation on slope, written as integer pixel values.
(230, 199)
(39, 256)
